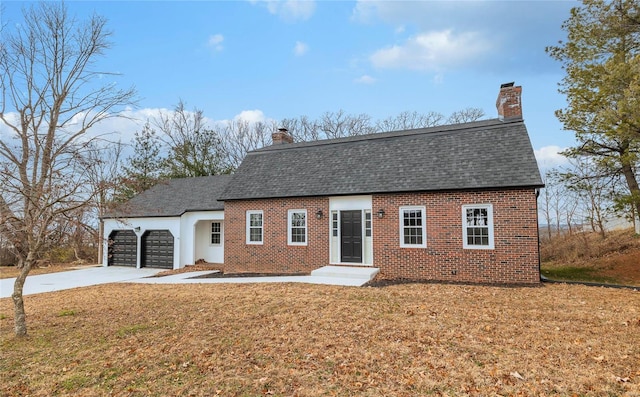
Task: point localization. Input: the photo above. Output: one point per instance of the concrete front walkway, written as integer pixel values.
(328, 275)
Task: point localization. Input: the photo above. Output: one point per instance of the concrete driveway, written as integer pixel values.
(75, 278)
(327, 275)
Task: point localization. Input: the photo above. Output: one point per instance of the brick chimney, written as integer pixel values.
(281, 137)
(509, 102)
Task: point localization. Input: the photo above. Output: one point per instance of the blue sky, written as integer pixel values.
(271, 60)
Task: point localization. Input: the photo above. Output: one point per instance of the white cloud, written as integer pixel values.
(549, 157)
(123, 128)
(289, 10)
(300, 48)
(433, 51)
(215, 42)
(365, 79)
(251, 116)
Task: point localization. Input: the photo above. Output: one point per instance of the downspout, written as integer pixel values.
(542, 278)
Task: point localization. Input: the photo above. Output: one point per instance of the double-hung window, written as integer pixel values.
(477, 226)
(254, 227)
(216, 233)
(413, 231)
(297, 229)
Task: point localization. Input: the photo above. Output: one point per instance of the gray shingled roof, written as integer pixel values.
(175, 197)
(478, 155)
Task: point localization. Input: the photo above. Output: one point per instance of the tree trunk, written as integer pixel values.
(20, 318)
(632, 183)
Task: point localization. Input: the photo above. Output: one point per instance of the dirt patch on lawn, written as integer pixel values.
(624, 267)
(312, 340)
(243, 275)
(217, 271)
(191, 268)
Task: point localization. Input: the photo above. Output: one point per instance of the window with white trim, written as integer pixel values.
(216, 233)
(297, 229)
(254, 227)
(477, 226)
(413, 231)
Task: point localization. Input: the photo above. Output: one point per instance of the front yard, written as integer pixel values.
(309, 340)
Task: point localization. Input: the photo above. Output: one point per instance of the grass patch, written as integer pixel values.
(131, 330)
(75, 382)
(575, 273)
(66, 313)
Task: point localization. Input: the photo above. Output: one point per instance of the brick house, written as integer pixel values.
(454, 203)
(451, 203)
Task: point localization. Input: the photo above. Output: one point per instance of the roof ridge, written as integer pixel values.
(469, 126)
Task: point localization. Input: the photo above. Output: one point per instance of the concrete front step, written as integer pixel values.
(366, 273)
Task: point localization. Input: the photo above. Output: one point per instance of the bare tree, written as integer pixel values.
(330, 125)
(51, 98)
(465, 116)
(340, 124)
(104, 178)
(550, 202)
(409, 120)
(241, 136)
(593, 186)
(303, 129)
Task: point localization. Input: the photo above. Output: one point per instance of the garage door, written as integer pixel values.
(123, 248)
(157, 249)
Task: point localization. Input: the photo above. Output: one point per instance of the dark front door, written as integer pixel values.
(351, 236)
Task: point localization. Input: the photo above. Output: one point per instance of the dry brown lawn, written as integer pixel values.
(12, 271)
(310, 340)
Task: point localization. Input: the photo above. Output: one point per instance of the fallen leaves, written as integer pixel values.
(303, 340)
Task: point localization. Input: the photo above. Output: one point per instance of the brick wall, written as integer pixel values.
(275, 255)
(514, 259)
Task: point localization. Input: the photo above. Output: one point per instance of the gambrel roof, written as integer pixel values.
(479, 155)
(174, 197)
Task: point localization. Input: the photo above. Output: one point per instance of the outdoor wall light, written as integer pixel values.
(380, 213)
(319, 214)
(136, 229)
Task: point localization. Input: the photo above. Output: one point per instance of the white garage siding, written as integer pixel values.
(191, 236)
(196, 237)
(139, 227)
